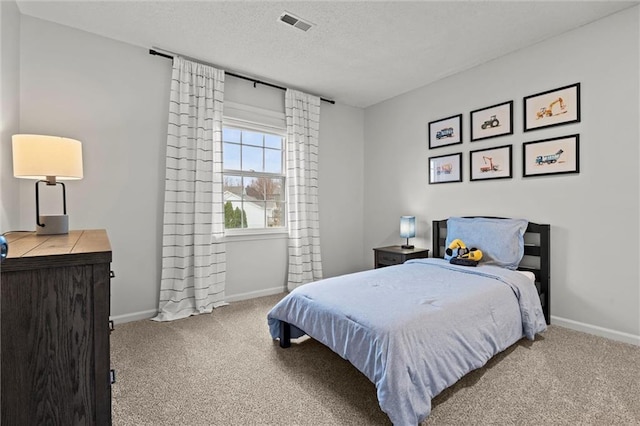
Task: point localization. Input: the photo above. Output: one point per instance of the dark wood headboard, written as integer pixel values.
(536, 250)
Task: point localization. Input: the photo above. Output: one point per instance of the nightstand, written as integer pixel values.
(395, 255)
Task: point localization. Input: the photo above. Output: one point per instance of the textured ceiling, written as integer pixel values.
(358, 53)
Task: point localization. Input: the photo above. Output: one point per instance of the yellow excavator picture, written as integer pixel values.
(549, 112)
(491, 167)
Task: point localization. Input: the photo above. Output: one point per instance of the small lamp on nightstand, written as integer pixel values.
(407, 229)
(48, 159)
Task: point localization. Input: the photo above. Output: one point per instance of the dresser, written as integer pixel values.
(55, 329)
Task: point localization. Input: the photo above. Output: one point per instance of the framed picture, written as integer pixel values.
(491, 163)
(445, 168)
(491, 122)
(445, 132)
(551, 156)
(552, 108)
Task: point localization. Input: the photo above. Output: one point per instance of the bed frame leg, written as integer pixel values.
(285, 334)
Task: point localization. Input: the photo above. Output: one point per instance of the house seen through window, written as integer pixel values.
(254, 177)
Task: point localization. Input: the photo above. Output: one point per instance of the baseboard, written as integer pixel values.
(598, 331)
(254, 294)
(135, 316)
(562, 322)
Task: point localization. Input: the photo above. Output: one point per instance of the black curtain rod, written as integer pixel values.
(253, 80)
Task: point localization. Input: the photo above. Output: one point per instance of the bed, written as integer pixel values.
(417, 328)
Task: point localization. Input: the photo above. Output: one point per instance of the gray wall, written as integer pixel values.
(114, 98)
(594, 215)
(9, 109)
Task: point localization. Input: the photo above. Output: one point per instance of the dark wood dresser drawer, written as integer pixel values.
(386, 258)
(396, 255)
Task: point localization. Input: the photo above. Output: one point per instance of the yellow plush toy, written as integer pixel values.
(462, 255)
(454, 247)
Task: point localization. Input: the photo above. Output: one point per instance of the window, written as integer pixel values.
(254, 180)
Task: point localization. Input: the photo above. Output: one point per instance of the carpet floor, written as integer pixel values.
(224, 369)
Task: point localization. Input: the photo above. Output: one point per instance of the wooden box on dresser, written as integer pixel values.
(55, 329)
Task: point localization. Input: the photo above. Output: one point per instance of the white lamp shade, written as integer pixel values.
(39, 156)
(407, 226)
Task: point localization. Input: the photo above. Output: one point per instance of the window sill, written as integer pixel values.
(233, 235)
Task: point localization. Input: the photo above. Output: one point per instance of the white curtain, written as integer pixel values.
(193, 247)
(303, 123)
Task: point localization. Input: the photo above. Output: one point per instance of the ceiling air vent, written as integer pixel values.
(294, 21)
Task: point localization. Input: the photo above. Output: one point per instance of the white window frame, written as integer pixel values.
(274, 129)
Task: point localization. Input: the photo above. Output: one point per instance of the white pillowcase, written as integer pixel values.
(529, 275)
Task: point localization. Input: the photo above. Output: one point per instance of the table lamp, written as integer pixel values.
(407, 229)
(48, 159)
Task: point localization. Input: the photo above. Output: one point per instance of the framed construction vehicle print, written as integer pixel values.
(491, 122)
(445, 168)
(551, 156)
(490, 163)
(445, 132)
(552, 108)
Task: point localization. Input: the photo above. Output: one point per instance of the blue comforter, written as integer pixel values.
(417, 328)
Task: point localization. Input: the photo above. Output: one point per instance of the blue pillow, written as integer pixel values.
(501, 240)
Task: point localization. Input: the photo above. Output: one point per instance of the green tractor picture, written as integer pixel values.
(492, 122)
